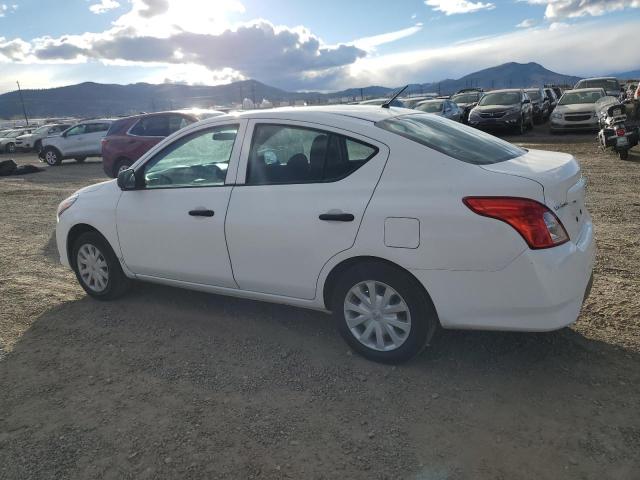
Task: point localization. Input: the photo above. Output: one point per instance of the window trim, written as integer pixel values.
(141, 168)
(261, 122)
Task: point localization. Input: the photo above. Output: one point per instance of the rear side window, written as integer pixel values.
(97, 127)
(453, 139)
(284, 154)
(154, 126)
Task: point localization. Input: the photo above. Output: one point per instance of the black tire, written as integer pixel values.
(80, 159)
(424, 321)
(117, 283)
(521, 128)
(123, 163)
(623, 154)
(10, 148)
(37, 147)
(51, 156)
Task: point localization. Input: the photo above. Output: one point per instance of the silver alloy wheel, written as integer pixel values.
(92, 267)
(50, 157)
(377, 316)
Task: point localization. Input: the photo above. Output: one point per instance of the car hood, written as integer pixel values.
(96, 187)
(578, 107)
(24, 137)
(495, 108)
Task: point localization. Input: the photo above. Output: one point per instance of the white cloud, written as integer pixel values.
(369, 43)
(452, 7)
(6, 9)
(580, 8)
(526, 23)
(104, 6)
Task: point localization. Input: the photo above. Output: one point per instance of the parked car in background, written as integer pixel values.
(442, 108)
(411, 102)
(540, 103)
(9, 138)
(576, 110)
(466, 101)
(382, 101)
(80, 141)
(404, 222)
(610, 85)
(129, 138)
(553, 98)
(508, 108)
(33, 140)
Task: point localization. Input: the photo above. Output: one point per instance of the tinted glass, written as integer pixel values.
(178, 122)
(154, 126)
(466, 97)
(574, 98)
(282, 154)
(97, 127)
(198, 160)
(504, 98)
(431, 107)
(77, 130)
(453, 139)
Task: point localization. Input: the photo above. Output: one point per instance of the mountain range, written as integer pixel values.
(95, 99)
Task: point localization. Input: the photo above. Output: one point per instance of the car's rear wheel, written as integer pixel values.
(52, 156)
(382, 312)
(121, 166)
(97, 267)
(80, 159)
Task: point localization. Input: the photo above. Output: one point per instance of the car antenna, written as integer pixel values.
(387, 104)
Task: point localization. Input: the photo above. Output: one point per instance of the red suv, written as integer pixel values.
(129, 138)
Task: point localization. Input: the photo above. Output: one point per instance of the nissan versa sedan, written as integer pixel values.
(396, 221)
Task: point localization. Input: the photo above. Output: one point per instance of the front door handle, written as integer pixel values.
(337, 217)
(201, 213)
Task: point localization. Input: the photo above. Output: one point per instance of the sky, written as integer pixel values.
(303, 45)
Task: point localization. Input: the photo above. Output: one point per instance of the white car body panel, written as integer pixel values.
(407, 203)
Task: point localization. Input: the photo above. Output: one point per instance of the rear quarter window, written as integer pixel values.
(453, 139)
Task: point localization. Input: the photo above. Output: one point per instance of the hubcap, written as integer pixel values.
(92, 267)
(377, 316)
(50, 157)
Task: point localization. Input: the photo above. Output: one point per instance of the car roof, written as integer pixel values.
(95, 120)
(598, 78)
(590, 89)
(506, 90)
(369, 113)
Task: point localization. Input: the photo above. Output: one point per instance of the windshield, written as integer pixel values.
(504, 98)
(575, 98)
(453, 139)
(14, 134)
(430, 107)
(534, 94)
(465, 97)
(43, 129)
(608, 84)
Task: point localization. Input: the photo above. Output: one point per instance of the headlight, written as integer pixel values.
(66, 204)
(556, 115)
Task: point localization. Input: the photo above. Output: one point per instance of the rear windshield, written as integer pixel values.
(430, 107)
(608, 84)
(453, 139)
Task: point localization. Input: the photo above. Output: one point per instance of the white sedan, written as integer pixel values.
(398, 222)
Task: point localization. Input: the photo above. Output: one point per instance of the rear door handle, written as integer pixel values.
(201, 213)
(337, 217)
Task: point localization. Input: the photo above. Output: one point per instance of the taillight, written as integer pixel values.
(537, 225)
(620, 132)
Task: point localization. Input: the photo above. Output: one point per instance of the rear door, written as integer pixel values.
(74, 140)
(301, 193)
(92, 142)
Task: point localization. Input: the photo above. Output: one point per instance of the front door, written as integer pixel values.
(173, 227)
(304, 194)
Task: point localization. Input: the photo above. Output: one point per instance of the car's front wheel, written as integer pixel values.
(52, 156)
(382, 312)
(97, 268)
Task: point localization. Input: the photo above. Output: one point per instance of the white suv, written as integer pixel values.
(397, 221)
(80, 141)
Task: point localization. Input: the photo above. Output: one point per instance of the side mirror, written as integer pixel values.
(526, 100)
(127, 180)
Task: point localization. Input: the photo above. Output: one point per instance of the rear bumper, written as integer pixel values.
(541, 290)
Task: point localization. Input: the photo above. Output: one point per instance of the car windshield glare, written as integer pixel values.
(430, 107)
(575, 98)
(458, 141)
(503, 98)
(465, 98)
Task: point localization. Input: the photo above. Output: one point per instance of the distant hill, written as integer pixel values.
(96, 99)
(631, 75)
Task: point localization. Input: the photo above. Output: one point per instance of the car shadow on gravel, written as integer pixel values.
(168, 383)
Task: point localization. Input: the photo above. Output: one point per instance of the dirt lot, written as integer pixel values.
(175, 384)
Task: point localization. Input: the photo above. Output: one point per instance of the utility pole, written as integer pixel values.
(362, 94)
(24, 110)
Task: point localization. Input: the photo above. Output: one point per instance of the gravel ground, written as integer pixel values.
(167, 383)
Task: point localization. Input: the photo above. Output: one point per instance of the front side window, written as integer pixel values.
(283, 154)
(97, 127)
(77, 130)
(453, 139)
(197, 160)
